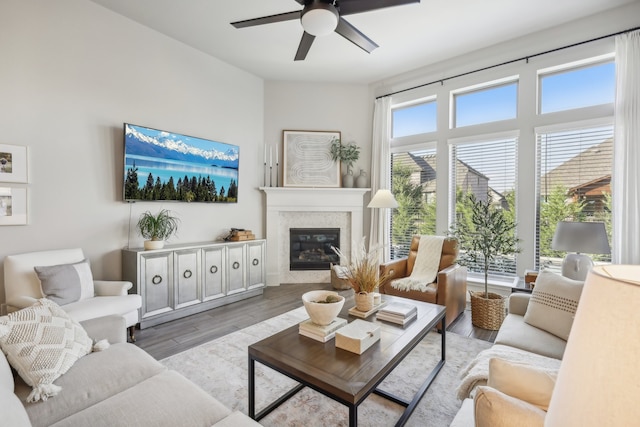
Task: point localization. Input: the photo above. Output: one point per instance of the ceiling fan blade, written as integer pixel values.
(352, 34)
(349, 7)
(304, 46)
(288, 16)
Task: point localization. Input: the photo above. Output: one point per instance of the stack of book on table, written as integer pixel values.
(398, 312)
(318, 332)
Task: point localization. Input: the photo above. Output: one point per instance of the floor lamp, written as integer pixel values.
(383, 199)
(579, 238)
(599, 379)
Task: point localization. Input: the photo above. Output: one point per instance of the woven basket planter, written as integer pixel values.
(487, 313)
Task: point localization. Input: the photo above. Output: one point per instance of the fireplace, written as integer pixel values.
(310, 248)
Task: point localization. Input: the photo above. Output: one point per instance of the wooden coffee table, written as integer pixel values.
(343, 376)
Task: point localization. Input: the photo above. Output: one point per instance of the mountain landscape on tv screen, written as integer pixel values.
(160, 165)
(170, 146)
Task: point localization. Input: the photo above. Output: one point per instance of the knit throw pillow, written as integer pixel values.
(42, 342)
(553, 303)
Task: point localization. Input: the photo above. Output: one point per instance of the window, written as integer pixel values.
(574, 184)
(486, 105)
(578, 87)
(413, 183)
(414, 120)
(487, 171)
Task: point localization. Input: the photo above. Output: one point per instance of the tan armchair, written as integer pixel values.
(450, 287)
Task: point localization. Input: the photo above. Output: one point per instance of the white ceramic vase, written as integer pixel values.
(347, 180)
(364, 301)
(153, 244)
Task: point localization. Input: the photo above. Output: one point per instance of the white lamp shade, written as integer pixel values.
(319, 19)
(599, 379)
(583, 237)
(383, 199)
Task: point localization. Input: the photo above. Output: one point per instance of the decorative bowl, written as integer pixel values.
(322, 313)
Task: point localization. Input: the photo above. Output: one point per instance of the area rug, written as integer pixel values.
(220, 368)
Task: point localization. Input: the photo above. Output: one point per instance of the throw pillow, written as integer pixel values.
(66, 283)
(42, 342)
(530, 383)
(553, 303)
(493, 408)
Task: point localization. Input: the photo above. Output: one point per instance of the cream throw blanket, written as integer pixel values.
(477, 372)
(425, 269)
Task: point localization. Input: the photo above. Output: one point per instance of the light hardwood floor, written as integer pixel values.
(169, 338)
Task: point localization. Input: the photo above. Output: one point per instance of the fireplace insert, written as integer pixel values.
(310, 248)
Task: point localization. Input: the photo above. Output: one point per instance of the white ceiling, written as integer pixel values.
(409, 37)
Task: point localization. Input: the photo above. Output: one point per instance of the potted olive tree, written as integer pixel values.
(488, 235)
(347, 154)
(157, 228)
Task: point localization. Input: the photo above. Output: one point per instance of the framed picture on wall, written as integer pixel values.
(13, 163)
(13, 206)
(307, 159)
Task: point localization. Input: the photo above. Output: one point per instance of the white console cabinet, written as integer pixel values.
(181, 280)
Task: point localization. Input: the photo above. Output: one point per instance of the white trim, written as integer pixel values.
(490, 137)
(595, 60)
(577, 125)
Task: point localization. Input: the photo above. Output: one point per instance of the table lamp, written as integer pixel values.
(580, 238)
(599, 379)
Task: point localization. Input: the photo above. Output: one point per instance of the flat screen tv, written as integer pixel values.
(160, 165)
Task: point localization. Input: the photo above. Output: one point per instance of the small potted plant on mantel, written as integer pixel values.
(157, 228)
(347, 154)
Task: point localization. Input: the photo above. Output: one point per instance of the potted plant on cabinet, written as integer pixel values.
(157, 228)
(347, 154)
(487, 235)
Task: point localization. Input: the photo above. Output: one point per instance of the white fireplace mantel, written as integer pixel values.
(286, 206)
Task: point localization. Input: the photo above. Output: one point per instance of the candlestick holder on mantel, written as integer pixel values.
(270, 170)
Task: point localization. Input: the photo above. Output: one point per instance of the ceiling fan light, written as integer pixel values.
(319, 19)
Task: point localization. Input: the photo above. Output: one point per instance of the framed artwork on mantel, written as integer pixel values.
(307, 159)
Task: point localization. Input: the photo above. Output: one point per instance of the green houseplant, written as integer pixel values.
(487, 235)
(347, 154)
(157, 228)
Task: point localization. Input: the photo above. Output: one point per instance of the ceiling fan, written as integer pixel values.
(322, 17)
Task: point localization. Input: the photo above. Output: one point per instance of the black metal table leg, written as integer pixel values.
(353, 416)
(252, 388)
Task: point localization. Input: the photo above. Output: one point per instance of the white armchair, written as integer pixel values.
(22, 288)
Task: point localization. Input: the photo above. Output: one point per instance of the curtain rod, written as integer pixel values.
(524, 58)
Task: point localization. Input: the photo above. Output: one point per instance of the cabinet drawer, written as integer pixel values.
(186, 277)
(214, 271)
(235, 268)
(256, 269)
(156, 276)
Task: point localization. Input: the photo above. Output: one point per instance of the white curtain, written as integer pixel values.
(626, 152)
(380, 173)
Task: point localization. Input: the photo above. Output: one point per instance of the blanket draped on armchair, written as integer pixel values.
(426, 267)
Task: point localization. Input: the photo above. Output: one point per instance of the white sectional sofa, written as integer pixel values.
(119, 386)
(531, 354)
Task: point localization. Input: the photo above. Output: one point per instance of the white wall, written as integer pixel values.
(71, 73)
(321, 107)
